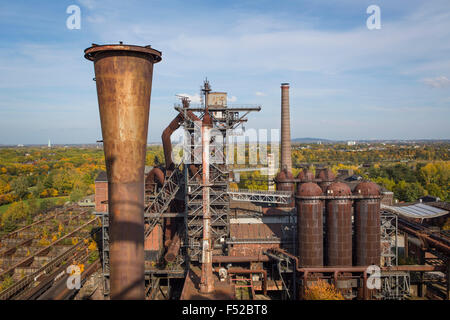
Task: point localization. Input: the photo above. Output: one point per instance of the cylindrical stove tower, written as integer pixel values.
(326, 177)
(310, 225)
(339, 225)
(305, 175)
(284, 182)
(123, 74)
(367, 224)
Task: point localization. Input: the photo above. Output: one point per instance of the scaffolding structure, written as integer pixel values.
(389, 239)
(225, 121)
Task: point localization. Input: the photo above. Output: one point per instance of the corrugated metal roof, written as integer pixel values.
(417, 211)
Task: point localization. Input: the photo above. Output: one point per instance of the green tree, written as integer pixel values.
(38, 189)
(20, 187)
(408, 192)
(77, 194)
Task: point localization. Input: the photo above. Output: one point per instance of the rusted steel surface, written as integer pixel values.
(207, 281)
(286, 160)
(250, 239)
(305, 175)
(238, 259)
(423, 236)
(251, 272)
(367, 225)
(167, 133)
(283, 185)
(310, 225)
(174, 249)
(123, 76)
(154, 177)
(165, 137)
(326, 177)
(339, 226)
(223, 290)
(154, 241)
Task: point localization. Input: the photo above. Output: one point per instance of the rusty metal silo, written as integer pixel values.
(284, 182)
(305, 175)
(367, 224)
(123, 75)
(286, 160)
(339, 225)
(310, 225)
(326, 177)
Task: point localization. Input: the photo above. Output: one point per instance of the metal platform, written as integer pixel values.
(278, 197)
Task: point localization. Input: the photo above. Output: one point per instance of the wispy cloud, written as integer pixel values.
(334, 63)
(438, 82)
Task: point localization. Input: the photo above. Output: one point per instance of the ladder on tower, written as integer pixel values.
(164, 197)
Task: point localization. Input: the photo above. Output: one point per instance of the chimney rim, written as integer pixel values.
(92, 51)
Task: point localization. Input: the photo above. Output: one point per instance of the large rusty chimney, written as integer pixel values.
(123, 74)
(286, 160)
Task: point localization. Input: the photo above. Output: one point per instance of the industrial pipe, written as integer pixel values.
(174, 125)
(155, 175)
(435, 243)
(123, 76)
(174, 249)
(239, 259)
(207, 280)
(251, 272)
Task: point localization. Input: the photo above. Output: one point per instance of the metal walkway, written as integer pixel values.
(281, 197)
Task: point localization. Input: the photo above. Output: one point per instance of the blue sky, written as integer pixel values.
(347, 82)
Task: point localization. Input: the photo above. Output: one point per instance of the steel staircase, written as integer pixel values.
(164, 197)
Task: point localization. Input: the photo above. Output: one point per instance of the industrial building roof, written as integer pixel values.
(101, 177)
(255, 231)
(417, 211)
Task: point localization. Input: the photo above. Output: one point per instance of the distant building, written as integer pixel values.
(387, 197)
(101, 192)
(429, 199)
(49, 144)
(351, 143)
(88, 201)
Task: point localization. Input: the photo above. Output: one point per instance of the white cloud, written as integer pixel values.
(232, 99)
(260, 94)
(438, 82)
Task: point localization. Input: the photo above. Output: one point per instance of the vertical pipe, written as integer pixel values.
(123, 76)
(207, 281)
(286, 160)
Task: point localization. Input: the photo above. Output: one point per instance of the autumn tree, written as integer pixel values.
(20, 186)
(322, 290)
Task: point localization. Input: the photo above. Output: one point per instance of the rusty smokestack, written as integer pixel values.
(286, 160)
(123, 74)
